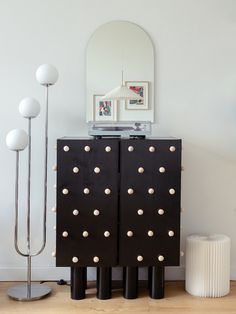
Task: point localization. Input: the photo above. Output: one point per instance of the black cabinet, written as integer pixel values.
(118, 204)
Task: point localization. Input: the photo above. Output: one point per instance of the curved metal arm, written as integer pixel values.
(29, 254)
(16, 207)
(45, 178)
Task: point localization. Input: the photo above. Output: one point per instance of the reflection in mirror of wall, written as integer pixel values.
(115, 47)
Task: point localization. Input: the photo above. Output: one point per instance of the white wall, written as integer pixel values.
(195, 100)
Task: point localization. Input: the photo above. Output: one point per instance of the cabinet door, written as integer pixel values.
(87, 197)
(149, 231)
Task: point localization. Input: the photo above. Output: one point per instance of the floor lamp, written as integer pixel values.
(17, 140)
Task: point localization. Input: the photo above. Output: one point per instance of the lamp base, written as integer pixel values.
(21, 292)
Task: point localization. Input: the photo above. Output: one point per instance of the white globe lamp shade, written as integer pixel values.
(47, 74)
(29, 107)
(17, 140)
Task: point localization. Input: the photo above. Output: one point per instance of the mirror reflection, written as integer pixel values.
(120, 54)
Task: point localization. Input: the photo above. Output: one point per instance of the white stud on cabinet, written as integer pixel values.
(140, 212)
(96, 259)
(106, 234)
(162, 169)
(161, 211)
(130, 191)
(172, 149)
(75, 212)
(54, 168)
(87, 148)
(171, 233)
(108, 149)
(139, 258)
(85, 234)
(150, 233)
(86, 191)
(76, 169)
(97, 170)
(130, 233)
(161, 258)
(65, 234)
(66, 148)
(151, 191)
(75, 259)
(96, 212)
(140, 170)
(107, 191)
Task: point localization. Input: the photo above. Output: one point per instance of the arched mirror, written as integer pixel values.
(115, 47)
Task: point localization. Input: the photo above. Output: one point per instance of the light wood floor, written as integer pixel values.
(176, 301)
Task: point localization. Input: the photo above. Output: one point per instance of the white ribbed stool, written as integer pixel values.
(208, 265)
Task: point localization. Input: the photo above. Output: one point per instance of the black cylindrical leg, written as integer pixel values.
(78, 282)
(103, 283)
(157, 282)
(149, 277)
(130, 282)
(85, 275)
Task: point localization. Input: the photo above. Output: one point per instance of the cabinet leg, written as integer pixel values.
(149, 277)
(157, 282)
(78, 282)
(103, 283)
(130, 282)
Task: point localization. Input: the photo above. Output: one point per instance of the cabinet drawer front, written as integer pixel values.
(150, 181)
(87, 198)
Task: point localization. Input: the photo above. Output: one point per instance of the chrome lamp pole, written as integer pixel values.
(17, 140)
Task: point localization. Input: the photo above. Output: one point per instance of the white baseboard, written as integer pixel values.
(56, 273)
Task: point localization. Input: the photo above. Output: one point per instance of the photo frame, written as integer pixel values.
(141, 88)
(104, 110)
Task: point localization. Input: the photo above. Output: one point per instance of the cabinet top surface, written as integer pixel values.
(117, 138)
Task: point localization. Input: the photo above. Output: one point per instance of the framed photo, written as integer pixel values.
(104, 110)
(141, 88)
